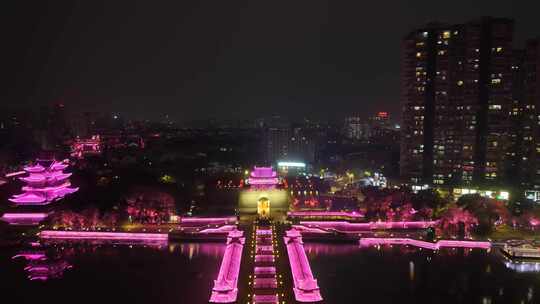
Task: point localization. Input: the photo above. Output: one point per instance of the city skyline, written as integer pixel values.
(148, 61)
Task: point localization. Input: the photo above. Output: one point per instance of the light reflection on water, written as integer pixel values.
(61, 272)
(401, 274)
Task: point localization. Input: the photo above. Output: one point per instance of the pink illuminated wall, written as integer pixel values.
(95, 235)
(423, 244)
(305, 287)
(226, 285)
(208, 220)
(23, 218)
(46, 182)
(325, 214)
(346, 227)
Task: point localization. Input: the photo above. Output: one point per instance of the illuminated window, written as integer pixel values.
(418, 54)
(495, 107)
(446, 34)
(460, 82)
(496, 80)
(499, 49)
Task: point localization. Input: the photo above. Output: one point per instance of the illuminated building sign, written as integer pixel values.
(291, 164)
(500, 194)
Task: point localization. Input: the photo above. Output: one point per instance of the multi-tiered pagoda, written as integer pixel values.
(46, 182)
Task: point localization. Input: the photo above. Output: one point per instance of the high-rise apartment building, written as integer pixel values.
(456, 102)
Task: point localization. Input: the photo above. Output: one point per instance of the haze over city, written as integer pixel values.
(199, 60)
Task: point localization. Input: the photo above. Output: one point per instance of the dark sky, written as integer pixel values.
(225, 59)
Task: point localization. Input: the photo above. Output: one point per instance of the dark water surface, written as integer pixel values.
(180, 273)
(349, 274)
(184, 273)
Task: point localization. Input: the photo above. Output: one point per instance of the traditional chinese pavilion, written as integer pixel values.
(263, 197)
(46, 182)
(263, 177)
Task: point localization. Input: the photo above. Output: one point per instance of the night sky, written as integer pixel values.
(223, 59)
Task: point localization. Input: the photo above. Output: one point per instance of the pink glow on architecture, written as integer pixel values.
(83, 147)
(208, 220)
(222, 229)
(365, 242)
(14, 174)
(226, 285)
(305, 287)
(23, 218)
(46, 182)
(271, 270)
(346, 227)
(263, 177)
(266, 299)
(95, 235)
(326, 214)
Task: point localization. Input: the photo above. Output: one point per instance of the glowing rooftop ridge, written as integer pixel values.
(46, 182)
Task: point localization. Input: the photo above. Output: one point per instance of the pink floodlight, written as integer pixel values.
(46, 182)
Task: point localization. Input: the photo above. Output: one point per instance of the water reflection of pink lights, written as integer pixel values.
(40, 268)
(423, 244)
(316, 249)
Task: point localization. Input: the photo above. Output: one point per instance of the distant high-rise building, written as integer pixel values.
(356, 128)
(286, 141)
(456, 101)
(531, 107)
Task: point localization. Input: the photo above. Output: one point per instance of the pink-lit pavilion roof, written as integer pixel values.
(263, 176)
